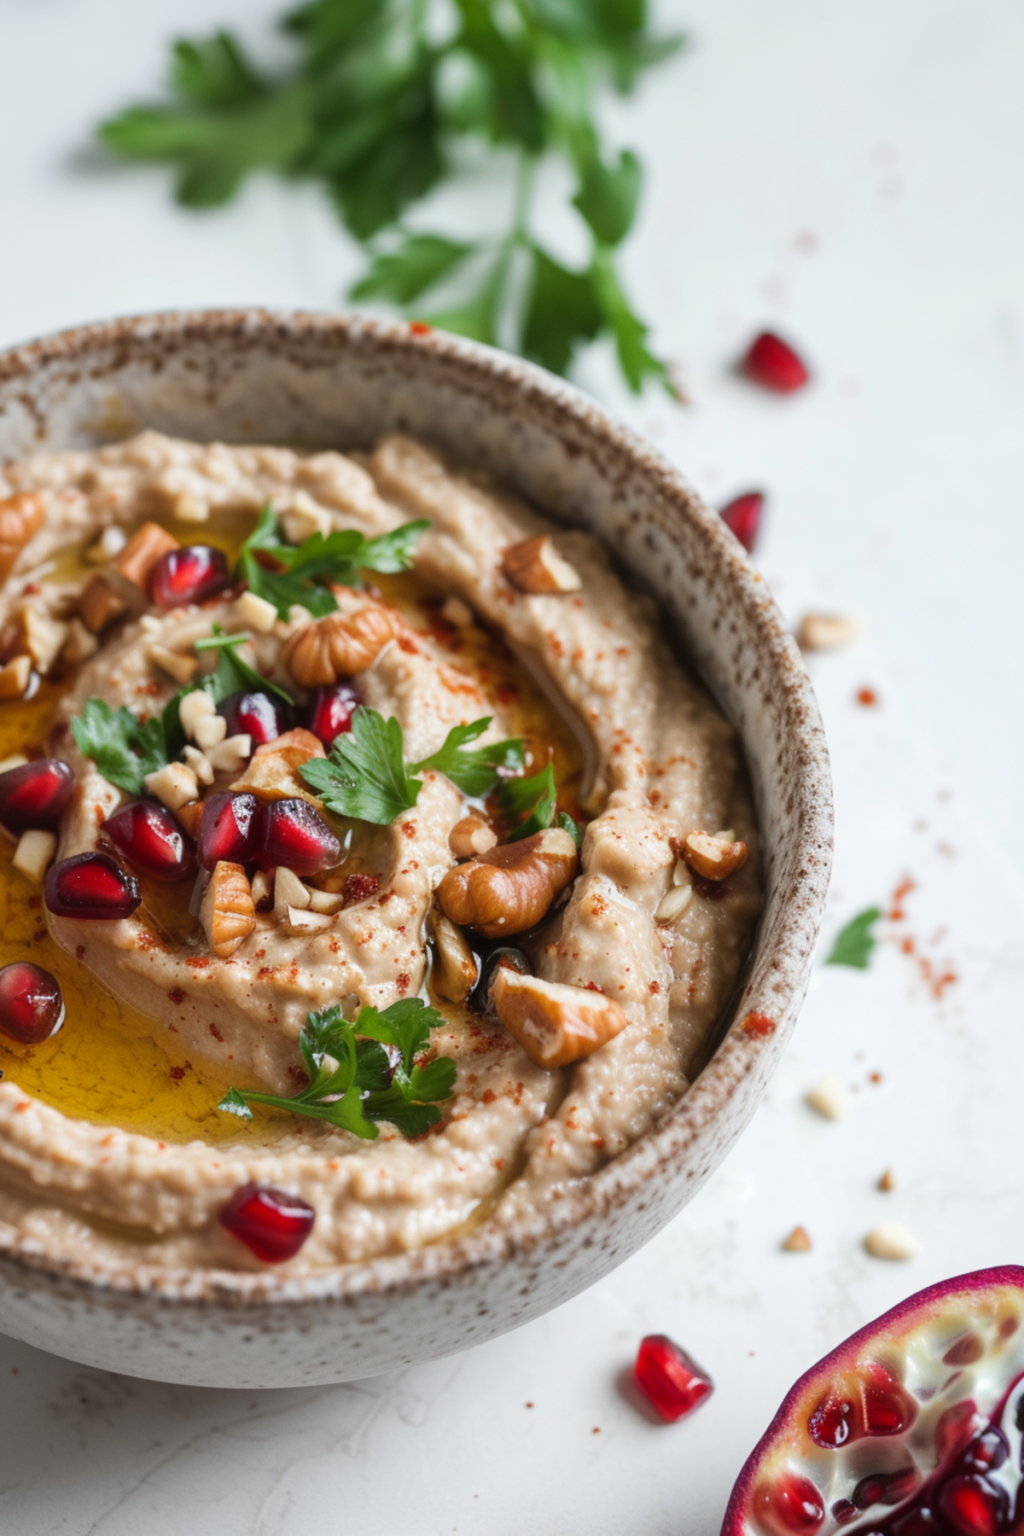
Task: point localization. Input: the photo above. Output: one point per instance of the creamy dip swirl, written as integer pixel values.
(660, 762)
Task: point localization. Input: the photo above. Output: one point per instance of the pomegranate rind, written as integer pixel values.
(910, 1342)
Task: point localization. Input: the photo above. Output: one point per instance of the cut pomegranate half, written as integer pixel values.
(673, 1383)
(773, 363)
(742, 517)
(329, 712)
(297, 837)
(272, 1225)
(92, 887)
(31, 1005)
(189, 574)
(33, 796)
(229, 830)
(151, 840)
(913, 1427)
(256, 715)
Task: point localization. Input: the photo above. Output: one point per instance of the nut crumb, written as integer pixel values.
(798, 1241)
(891, 1241)
(887, 1182)
(828, 1098)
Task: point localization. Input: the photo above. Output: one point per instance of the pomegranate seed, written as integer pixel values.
(150, 838)
(965, 1351)
(297, 837)
(885, 1488)
(190, 574)
(668, 1378)
(742, 517)
(34, 795)
(877, 1405)
(986, 1452)
(256, 715)
(788, 1506)
(955, 1428)
(90, 886)
(888, 1409)
(31, 1005)
(772, 363)
(830, 1424)
(972, 1506)
(330, 711)
(843, 1510)
(230, 829)
(271, 1224)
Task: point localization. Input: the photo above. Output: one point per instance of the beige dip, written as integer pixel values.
(655, 762)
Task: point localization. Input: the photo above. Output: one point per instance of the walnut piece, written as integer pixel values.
(509, 889)
(37, 635)
(825, 631)
(455, 968)
(99, 604)
(535, 566)
(21, 516)
(145, 547)
(273, 773)
(471, 836)
(553, 1023)
(228, 912)
(339, 645)
(15, 678)
(713, 857)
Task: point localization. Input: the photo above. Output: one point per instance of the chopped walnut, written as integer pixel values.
(21, 516)
(175, 663)
(228, 912)
(273, 772)
(34, 854)
(256, 612)
(825, 631)
(38, 636)
(713, 857)
(455, 968)
(509, 889)
(555, 1024)
(339, 645)
(15, 678)
(145, 547)
(535, 566)
(173, 785)
(471, 836)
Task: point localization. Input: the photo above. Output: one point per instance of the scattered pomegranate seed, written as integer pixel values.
(256, 715)
(189, 574)
(789, 1506)
(150, 839)
(31, 1005)
(772, 363)
(330, 711)
(33, 796)
(271, 1224)
(668, 1378)
(742, 517)
(297, 837)
(90, 886)
(230, 829)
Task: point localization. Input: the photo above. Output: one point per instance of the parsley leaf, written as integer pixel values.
(233, 672)
(383, 100)
(364, 1071)
(123, 748)
(538, 796)
(334, 557)
(366, 775)
(855, 943)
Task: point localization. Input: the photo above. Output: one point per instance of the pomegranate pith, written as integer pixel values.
(295, 835)
(31, 1004)
(189, 574)
(329, 712)
(90, 886)
(889, 1438)
(672, 1383)
(256, 715)
(229, 830)
(33, 796)
(774, 364)
(151, 840)
(273, 1225)
(742, 517)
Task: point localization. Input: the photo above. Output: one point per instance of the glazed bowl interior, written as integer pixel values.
(253, 376)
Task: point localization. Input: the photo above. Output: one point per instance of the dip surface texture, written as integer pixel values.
(111, 1142)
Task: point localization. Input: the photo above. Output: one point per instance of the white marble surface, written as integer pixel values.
(852, 175)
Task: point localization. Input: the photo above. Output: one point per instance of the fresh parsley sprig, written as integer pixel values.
(380, 106)
(354, 1081)
(855, 943)
(535, 799)
(367, 777)
(296, 573)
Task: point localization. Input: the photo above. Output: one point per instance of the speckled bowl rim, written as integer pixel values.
(765, 1017)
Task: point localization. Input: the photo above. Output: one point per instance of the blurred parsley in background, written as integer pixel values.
(382, 96)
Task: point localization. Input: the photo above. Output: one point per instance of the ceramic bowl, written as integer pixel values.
(254, 376)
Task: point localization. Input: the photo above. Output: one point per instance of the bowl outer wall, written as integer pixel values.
(261, 376)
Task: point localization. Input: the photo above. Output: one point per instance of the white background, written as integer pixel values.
(851, 175)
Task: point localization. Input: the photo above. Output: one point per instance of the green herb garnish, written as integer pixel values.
(536, 796)
(366, 775)
(123, 748)
(387, 100)
(854, 943)
(354, 1082)
(302, 569)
